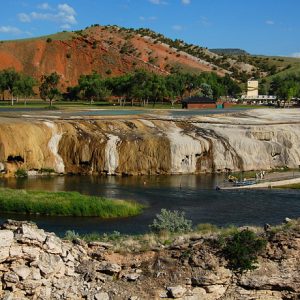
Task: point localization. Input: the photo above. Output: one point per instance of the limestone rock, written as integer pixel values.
(4, 253)
(270, 275)
(176, 291)
(132, 276)
(109, 268)
(100, 244)
(57, 269)
(50, 264)
(101, 296)
(15, 251)
(53, 245)
(31, 253)
(10, 277)
(35, 274)
(220, 276)
(22, 271)
(32, 233)
(6, 238)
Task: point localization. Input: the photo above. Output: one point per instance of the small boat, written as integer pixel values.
(244, 182)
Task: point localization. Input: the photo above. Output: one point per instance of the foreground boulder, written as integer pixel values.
(35, 264)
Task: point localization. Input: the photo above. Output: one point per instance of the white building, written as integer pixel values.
(252, 88)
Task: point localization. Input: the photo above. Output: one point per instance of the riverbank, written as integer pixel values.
(38, 265)
(64, 204)
(286, 183)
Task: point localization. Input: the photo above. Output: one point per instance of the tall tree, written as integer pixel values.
(206, 90)
(93, 87)
(49, 87)
(10, 79)
(24, 87)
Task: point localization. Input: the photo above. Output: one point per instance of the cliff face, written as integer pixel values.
(35, 264)
(257, 140)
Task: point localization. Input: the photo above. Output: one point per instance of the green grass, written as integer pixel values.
(245, 174)
(85, 104)
(283, 62)
(294, 186)
(65, 204)
(245, 106)
(59, 36)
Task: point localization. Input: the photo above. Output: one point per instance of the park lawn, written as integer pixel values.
(65, 204)
(294, 186)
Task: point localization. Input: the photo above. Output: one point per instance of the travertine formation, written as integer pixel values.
(35, 264)
(253, 140)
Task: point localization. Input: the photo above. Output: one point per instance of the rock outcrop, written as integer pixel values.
(258, 139)
(35, 264)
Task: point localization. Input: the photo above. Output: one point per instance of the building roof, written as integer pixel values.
(199, 99)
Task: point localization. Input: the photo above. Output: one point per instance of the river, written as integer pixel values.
(193, 194)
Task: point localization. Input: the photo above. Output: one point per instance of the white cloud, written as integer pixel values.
(64, 14)
(10, 29)
(144, 19)
(158, 2)
(204, 21)
(270, 22)
(177, 27)
(67, 9)
(296, 55)
(65, 26)
(24, 18)
(186, 2)
(44, 6)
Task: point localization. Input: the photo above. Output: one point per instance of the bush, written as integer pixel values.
(94, 46)
(207, 228)
(242, 249)
(49, 40)
(172, 221)
(21, 173)
(47, 170)
(71, 235)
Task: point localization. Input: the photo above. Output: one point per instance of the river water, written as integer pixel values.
(193, 194)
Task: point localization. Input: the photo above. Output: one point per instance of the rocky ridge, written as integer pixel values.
(35, 264)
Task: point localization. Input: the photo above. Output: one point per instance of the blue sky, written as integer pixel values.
(268, 27)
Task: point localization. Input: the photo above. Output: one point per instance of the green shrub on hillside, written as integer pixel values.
(241, 250)
(172, 221)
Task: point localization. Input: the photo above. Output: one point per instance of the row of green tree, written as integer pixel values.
(20, 85)
(286, 87)
(138, 87)
(16, 84)
(143, 87)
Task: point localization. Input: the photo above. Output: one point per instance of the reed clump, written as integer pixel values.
(65, 204)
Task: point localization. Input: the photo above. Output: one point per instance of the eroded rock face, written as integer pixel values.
(39, 265)
(259, 139)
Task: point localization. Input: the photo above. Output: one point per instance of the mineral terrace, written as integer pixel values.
(148, 144)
